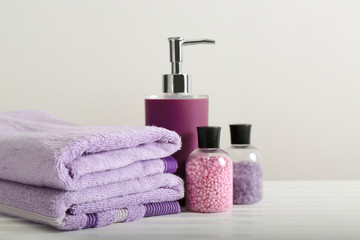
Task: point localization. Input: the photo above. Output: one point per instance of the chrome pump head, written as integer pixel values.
(177, 82)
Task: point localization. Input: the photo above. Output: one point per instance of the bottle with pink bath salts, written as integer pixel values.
(209, 175)
(248, 174)
(177, 109)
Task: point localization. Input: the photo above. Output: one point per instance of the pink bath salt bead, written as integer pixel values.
(212, 180)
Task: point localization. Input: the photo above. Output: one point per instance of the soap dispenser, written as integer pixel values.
(177, 108)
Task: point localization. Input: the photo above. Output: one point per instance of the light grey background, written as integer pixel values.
(291, 68)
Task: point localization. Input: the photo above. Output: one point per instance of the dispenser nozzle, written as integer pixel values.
(176, 44)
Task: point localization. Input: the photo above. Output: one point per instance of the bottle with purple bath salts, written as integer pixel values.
(247, 175)
(209, 175)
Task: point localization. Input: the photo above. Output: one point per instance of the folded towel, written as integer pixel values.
(93, 207)
(39, 149)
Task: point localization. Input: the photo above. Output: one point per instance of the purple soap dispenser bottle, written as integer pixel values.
(177, 108)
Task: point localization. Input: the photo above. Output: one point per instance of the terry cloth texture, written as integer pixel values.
(38, 149)
(93, 207)
(75, 177)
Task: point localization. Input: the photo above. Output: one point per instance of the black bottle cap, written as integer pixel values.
(240, 133)
(208, 137)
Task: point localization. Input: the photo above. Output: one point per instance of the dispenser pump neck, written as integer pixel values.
(176, 82)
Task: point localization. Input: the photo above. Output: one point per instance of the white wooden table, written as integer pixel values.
(290, 210)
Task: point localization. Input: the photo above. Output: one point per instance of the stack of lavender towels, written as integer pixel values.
(73, 177)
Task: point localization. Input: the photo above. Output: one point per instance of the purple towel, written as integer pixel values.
(38, 149)
(93, 207)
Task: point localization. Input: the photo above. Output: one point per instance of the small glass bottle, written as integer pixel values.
(248, 175)
(209, 175)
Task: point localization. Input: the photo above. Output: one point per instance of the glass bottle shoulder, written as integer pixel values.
(208, 152)
(177, 96)
(239, 153)
(209, 158)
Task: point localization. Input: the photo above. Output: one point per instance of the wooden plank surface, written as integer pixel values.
(289, 210)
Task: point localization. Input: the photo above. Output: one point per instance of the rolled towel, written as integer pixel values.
(93, 207)
(39, 149)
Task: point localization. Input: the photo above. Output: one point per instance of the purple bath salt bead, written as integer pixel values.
(247, 182)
